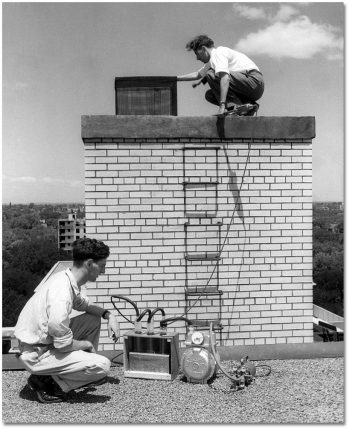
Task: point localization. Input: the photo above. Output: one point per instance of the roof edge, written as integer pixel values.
(145, 126)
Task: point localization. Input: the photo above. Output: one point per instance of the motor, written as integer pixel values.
(201, 361)
(198, 363)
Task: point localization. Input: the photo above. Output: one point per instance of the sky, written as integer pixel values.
(59, 61)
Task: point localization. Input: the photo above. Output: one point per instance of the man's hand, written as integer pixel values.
(113, 328)
(87, 346)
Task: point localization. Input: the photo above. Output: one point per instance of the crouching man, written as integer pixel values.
(60, 353)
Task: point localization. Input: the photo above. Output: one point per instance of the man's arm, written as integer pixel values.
(112, 324)
(224, 85)
(82, 303)
(189, 76)
(113, 331)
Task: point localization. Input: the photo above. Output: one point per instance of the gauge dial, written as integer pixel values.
(197, 338)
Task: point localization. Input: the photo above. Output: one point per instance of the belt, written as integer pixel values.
(35, 347)
(253, 70)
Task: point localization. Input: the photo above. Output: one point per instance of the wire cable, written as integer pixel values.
(269, 369)
(115, 357)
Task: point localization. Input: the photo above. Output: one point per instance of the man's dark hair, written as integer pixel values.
(198, 42)
(89, 248)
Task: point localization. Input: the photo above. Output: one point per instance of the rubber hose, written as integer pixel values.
(155, 311)
(128, 300)
(216, 358)
(173, 319)
(146, 310)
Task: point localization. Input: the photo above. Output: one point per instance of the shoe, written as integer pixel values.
(46, 389)
(52, 388)
(248, 109)
(46, 398)
(38, 381)
(232, 110)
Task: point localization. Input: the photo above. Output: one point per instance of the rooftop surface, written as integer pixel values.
(297, 391)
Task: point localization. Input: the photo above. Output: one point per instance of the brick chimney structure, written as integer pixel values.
(216, 228)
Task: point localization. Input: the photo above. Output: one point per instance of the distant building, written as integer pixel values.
(43, 222)
(69, 230)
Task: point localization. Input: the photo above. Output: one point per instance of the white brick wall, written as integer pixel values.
(135, 203)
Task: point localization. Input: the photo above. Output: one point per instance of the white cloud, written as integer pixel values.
(289, 35)
(267, 12)
(299, 39)
(46, 180)
(21, 85)
(69, 182)
(49, 180)
(249, 12)
(21, 179)
(16, 86)
(284, 13)
(75, 183)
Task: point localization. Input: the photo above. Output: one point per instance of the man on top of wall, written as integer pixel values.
(235, 80)
(60, 352)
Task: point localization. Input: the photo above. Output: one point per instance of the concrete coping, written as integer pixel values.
(145, 126)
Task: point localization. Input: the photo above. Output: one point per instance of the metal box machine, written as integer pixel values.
(151, 356)
(155, 354)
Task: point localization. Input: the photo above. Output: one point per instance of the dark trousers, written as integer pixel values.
(244, 87)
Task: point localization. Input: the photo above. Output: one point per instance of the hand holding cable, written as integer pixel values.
(113, 327)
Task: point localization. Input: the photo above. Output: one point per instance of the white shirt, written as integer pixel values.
(228, 61)
(45, 317)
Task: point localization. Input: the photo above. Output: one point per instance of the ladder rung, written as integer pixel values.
(203, 257)
(200, 183)
(194, 225)
(205, 324)
(200, 215)
(201, 148)
(203, 292)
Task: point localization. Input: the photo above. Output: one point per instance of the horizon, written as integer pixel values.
(83, 203)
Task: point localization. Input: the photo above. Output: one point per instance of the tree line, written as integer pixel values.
(328, 257)
(29, 251)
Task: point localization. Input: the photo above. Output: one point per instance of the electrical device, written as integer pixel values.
(198, 363)
(152, 356)
(155, 354)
